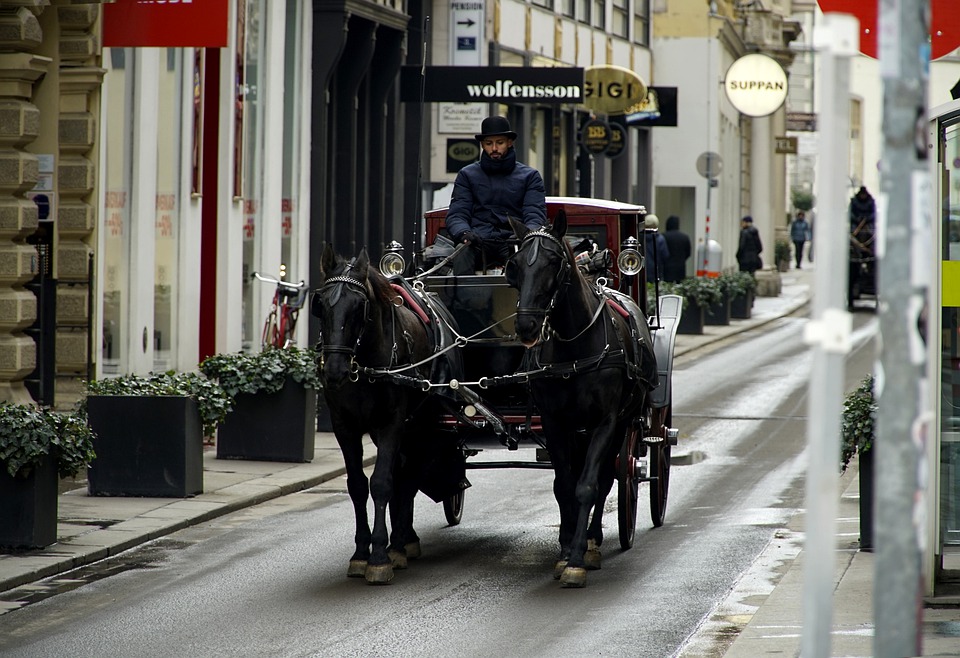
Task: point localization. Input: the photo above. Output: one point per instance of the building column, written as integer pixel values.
(19, 126)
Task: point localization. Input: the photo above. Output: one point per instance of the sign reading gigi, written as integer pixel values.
(756, 85)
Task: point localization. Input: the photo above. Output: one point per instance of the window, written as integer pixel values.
(568, 8)
(583, 11)
(599, 14)
(546, 4)
(621, 18)
(641, 22)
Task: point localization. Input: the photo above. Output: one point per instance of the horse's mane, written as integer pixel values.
(380, 287)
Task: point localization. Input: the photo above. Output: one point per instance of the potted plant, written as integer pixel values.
(149, 432)
(718, 313)
(857, 431)
(741, 287)
(274, 400)
(36, 445)
(698, 293)
(781, 254)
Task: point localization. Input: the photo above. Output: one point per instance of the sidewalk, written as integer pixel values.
(92, 528)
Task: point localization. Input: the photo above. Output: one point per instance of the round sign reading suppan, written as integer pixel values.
(756, 85)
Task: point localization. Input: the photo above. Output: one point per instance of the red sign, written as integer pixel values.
(944, 23)
(165, 23)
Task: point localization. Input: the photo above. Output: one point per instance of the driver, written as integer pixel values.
(487, 192)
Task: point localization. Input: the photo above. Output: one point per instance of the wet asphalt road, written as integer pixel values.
(270, 580)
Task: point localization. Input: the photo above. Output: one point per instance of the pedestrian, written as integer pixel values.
(655, 248)
(748, 253)
(488, 192)
(799, 234)
(678, 244)
(862, 206)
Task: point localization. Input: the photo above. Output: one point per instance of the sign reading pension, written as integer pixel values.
(492, 84)
(756, 85)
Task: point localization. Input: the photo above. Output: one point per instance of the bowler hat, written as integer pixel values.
(493, 126)
(748, 219)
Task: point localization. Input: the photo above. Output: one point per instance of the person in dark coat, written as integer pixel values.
(678, 244)
(748, 253)
(862, 206)
(656, 250)
(799, 234)
(488, 192)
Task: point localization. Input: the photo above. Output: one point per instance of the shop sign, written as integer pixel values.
(611, 89)
(460, 118)
(658, 108)
(756, 85)
(170, 23)
(785, 145)
(802, 121)
(596, 136)
(467, 27)
(618, 141)
(491, 84)
(461, 152)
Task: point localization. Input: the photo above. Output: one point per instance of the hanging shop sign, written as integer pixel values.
(618, 141)
(491, 84)
(756, 85)
(612, 89)
(595, 136)
(658, 108)
(134, 23)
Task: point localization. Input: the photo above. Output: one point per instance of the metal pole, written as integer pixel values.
(904, 225)
(836, 41)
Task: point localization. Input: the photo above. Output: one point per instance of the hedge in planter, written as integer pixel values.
(741, 287)
(36, 444)
(149, 433)
(698, 293)
(274, 400)
(857, 433)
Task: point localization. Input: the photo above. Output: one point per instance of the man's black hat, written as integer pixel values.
(493, 126)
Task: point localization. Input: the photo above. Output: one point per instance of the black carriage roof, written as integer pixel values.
(574, 206)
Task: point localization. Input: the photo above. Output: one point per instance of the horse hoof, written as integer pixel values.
(558, 569)
(357, 569)
(397, 559)
(379, 574)
(591, 559)
(574, 577)
(413, 550)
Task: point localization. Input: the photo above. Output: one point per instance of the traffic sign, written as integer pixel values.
(944, 24)
(467, 32)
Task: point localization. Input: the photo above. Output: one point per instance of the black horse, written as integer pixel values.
(602, 369)
(366, 327)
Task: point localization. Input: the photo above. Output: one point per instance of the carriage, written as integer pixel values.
(489, 391)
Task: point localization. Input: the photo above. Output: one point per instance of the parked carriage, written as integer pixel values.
(505, 363)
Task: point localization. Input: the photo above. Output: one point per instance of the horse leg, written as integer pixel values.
(607, 475)
(564, 484)
(404, 542)
(587, 495)
(379, 567)
(358, 487)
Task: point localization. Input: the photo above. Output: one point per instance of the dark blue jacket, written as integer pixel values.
(484, 197)
(662, 255)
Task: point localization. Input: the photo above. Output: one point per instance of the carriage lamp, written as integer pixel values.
(630, 261)
(392, 263)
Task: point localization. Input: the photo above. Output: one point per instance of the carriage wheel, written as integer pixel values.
(453, 507)
(628, 488)
(660, 468)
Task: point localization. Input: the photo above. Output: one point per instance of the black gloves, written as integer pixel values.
(471, 237)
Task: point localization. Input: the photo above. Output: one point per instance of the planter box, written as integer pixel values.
(277, 427)
(28, 514)
(146, 446)
(741, 306)
(692, 319)
(718, 314)
(866, 500)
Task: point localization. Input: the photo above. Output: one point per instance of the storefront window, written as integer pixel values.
(250, 85)
(950, 336)
(291, 141)
(117, 174)
(167, 223)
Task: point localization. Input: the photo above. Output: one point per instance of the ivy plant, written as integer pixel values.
(736, 284)
(858, 422)
(264, 371)
(28, 433)
(212, 401)
(699, 290)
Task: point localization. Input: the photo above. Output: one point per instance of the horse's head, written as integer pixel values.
(540, 271)
(342, 303)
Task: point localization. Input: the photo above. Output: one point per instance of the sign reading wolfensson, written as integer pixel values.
(486, 84)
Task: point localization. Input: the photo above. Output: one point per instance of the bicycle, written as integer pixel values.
(288, 299)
